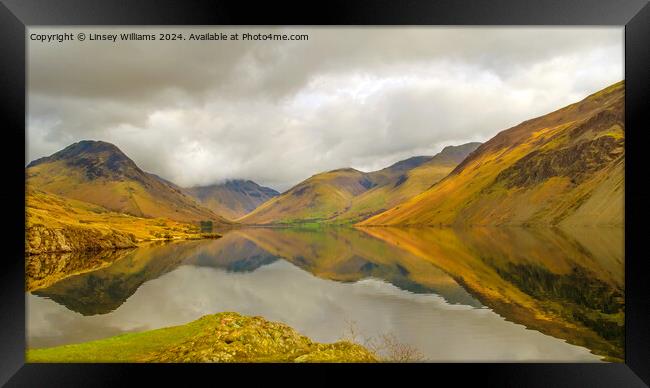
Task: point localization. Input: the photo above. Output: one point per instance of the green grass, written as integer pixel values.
(223, 337)
(122, 348)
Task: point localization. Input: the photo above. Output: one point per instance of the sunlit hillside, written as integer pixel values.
(566, 167)
(98, 172)
(348, 195)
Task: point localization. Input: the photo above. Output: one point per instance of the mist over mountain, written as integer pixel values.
(232, 198)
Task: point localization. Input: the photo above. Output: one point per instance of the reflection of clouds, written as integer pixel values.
(317, 308)
(57, 323)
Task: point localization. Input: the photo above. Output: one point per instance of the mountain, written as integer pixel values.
(232, 199)
(404, 180)
(99, 173)
(348, 195)
(563, 168)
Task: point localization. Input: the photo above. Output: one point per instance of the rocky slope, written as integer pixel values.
(232, 199)
(564, 168)
(58, 224)
(224, 337)
(41, 239)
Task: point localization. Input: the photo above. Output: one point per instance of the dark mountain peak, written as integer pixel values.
(240, 185)
(409, 163)
(449, 154)
(96, 158)
(455, 154)
(249, 187)
(92, 146)
(462, 149)
(82, 148)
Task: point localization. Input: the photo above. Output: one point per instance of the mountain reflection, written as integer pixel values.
(568, 286)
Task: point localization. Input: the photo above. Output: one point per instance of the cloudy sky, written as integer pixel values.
(199, 112)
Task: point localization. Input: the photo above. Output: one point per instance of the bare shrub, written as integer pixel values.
(385, 347)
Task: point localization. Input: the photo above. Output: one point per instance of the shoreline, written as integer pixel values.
(46, 268)
(222, 337)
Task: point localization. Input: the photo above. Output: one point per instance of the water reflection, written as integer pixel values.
(566, 285)
(427, 286)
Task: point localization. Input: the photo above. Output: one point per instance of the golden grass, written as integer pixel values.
(473, 196)
(54, 211)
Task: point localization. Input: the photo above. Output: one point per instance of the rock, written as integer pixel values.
(231, 337)
(41, 239)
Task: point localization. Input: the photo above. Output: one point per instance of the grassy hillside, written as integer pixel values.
(99, 173)
(224, 337)
(55, 212)
(348, 195)
(59, 229)
(316, 199)
(566, 167)
(232, 199)
(401, 185)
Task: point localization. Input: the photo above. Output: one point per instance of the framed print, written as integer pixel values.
(386, 188)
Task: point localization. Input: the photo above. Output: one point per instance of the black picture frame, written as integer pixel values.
(17, 15)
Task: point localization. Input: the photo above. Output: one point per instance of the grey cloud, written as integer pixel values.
(278, 112)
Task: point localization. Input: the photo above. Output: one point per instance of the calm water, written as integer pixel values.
(473, 295)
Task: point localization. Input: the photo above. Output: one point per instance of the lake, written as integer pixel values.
(479, 294)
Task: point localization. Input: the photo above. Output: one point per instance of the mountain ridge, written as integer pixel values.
(346, 195)
(565, 167)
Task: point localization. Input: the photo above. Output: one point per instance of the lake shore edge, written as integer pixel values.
(222, 337)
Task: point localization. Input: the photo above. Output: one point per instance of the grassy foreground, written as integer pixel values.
(223, 337)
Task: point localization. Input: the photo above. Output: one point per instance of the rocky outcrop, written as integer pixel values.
(52, 254)
(230, 337)
(577, 162)
(41, 239)
(223, 337)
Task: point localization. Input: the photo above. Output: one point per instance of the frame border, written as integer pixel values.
(16, 16)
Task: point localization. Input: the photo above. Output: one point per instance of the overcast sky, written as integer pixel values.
(199, 112)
